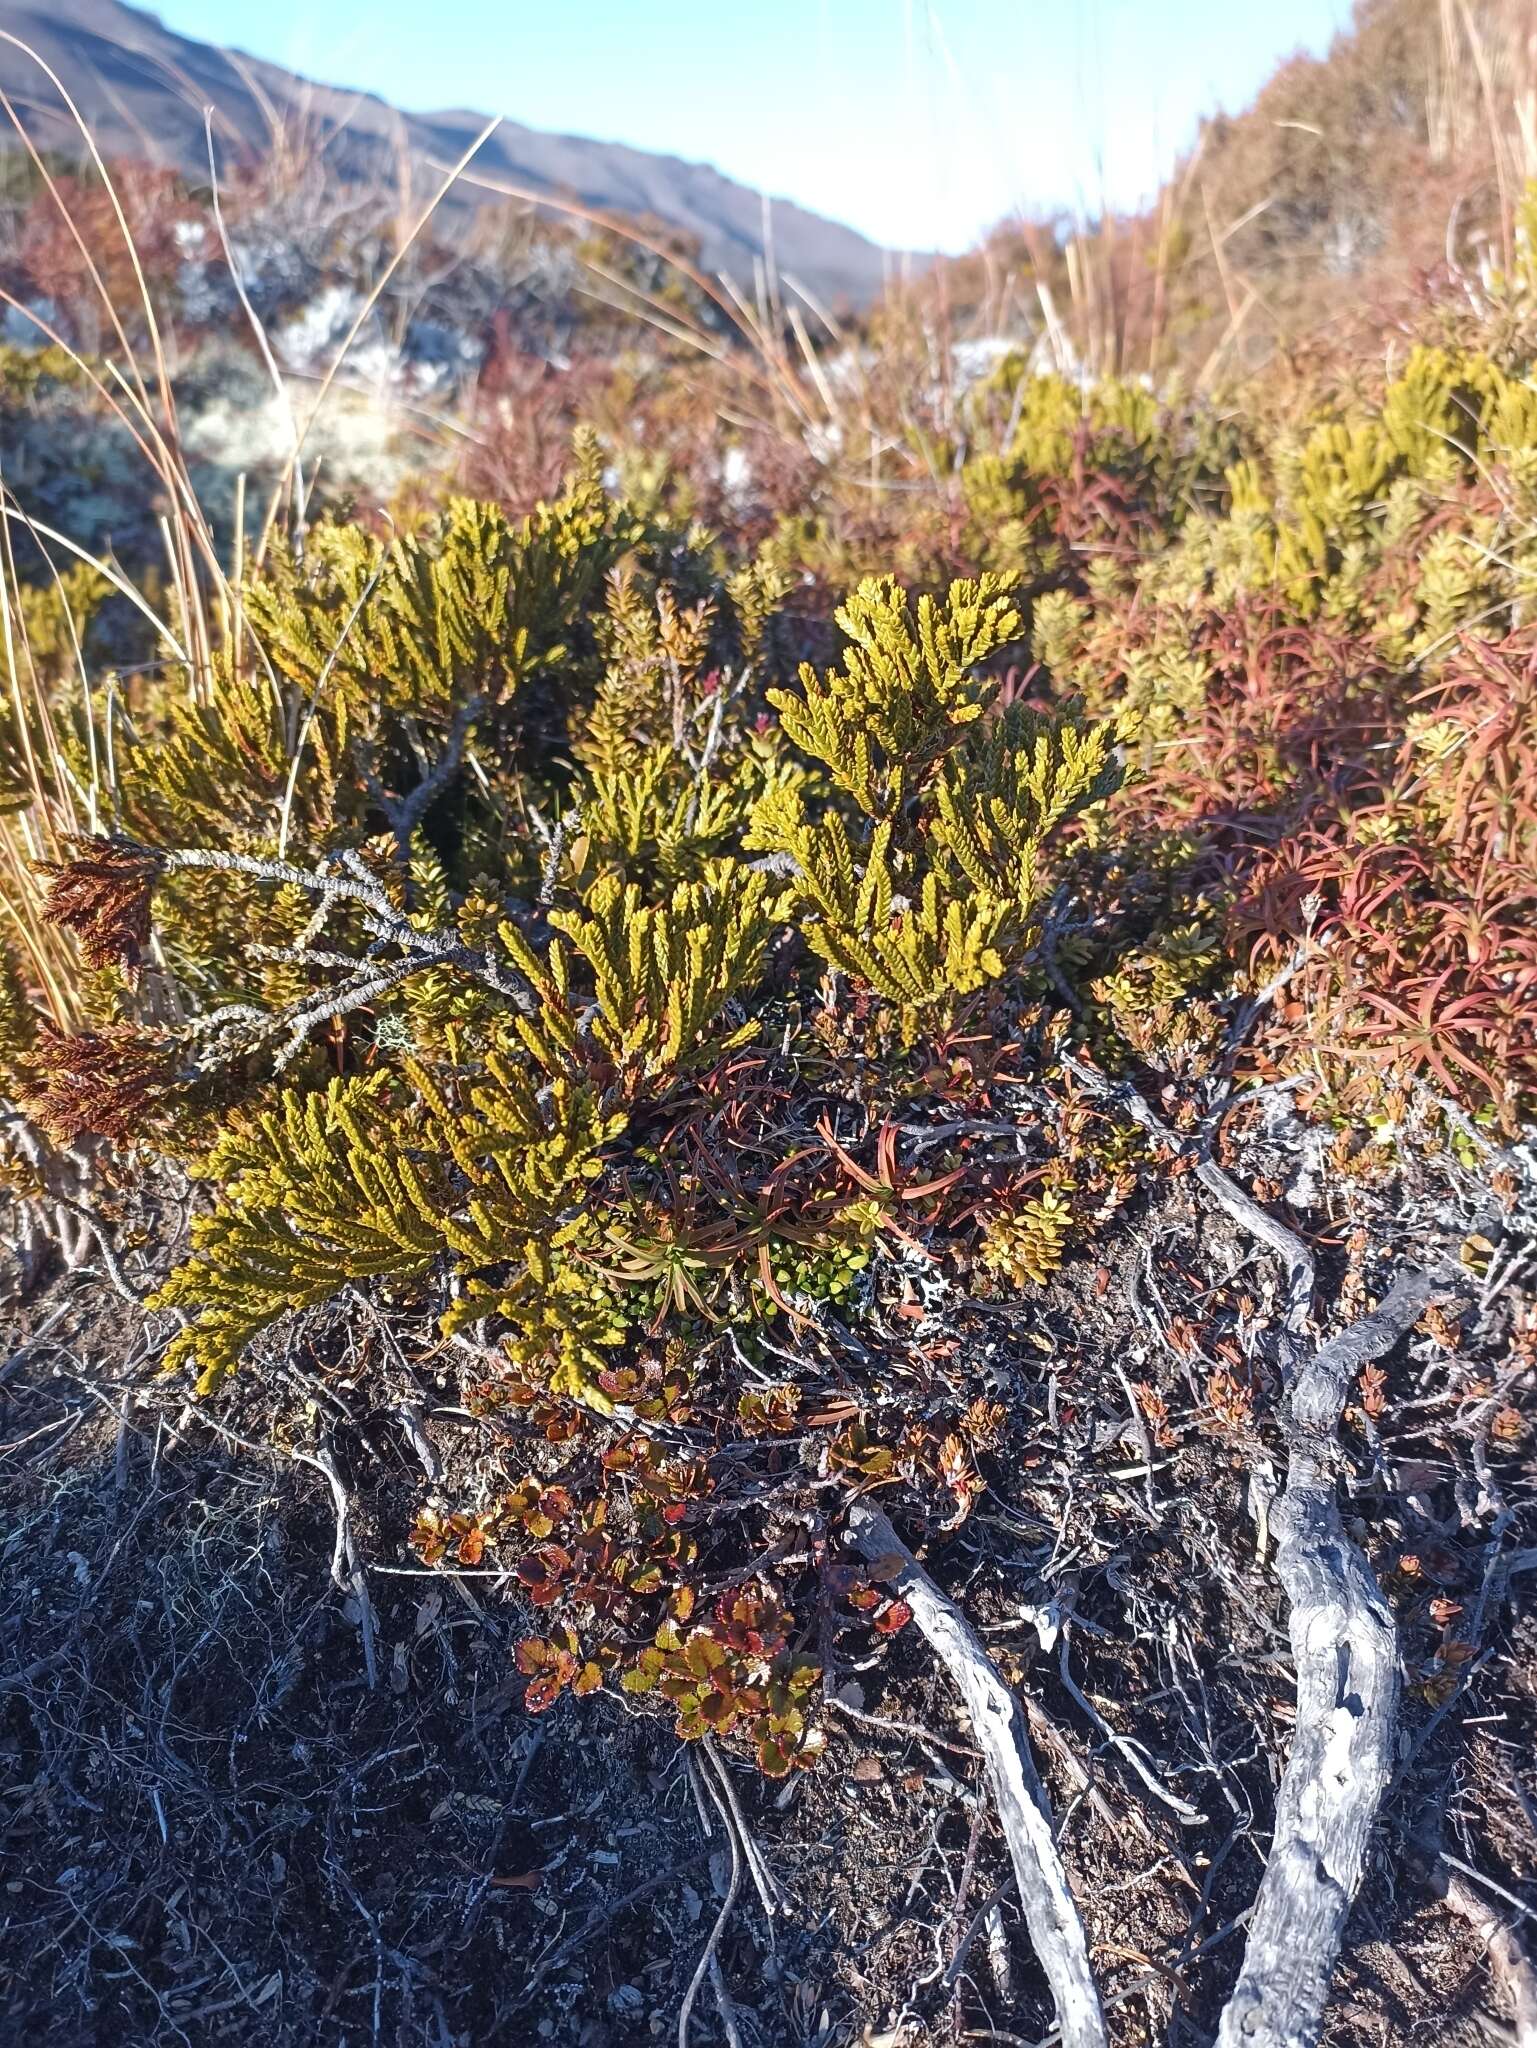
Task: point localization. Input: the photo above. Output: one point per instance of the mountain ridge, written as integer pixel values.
(142, 87)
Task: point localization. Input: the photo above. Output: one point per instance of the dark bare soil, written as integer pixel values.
(216, 1829)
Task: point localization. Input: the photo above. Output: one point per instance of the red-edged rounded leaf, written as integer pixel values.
(703, 1655)
(773, 1758)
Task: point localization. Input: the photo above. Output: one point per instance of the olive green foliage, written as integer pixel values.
(518, 835)
(362, 649)
(1027, 1243)
(351, 1185)
(664, 972)
(934, 886)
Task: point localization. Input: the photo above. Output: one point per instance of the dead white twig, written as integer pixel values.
(1510, 1965)
(708, 1965)
(764, 1882)
(1345, 1648)
(1189, 1815)
(347, 1573)
(1343, 1639)
(1056, 1927)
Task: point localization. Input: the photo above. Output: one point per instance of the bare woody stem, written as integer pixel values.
(998, 1725)
(1343, 1639)
(419, 950)
(1345, 1648)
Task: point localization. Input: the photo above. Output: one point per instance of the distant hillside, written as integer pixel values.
(143, 89)
(1314, 215)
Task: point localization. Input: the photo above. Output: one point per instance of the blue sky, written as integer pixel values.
(919, 121)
